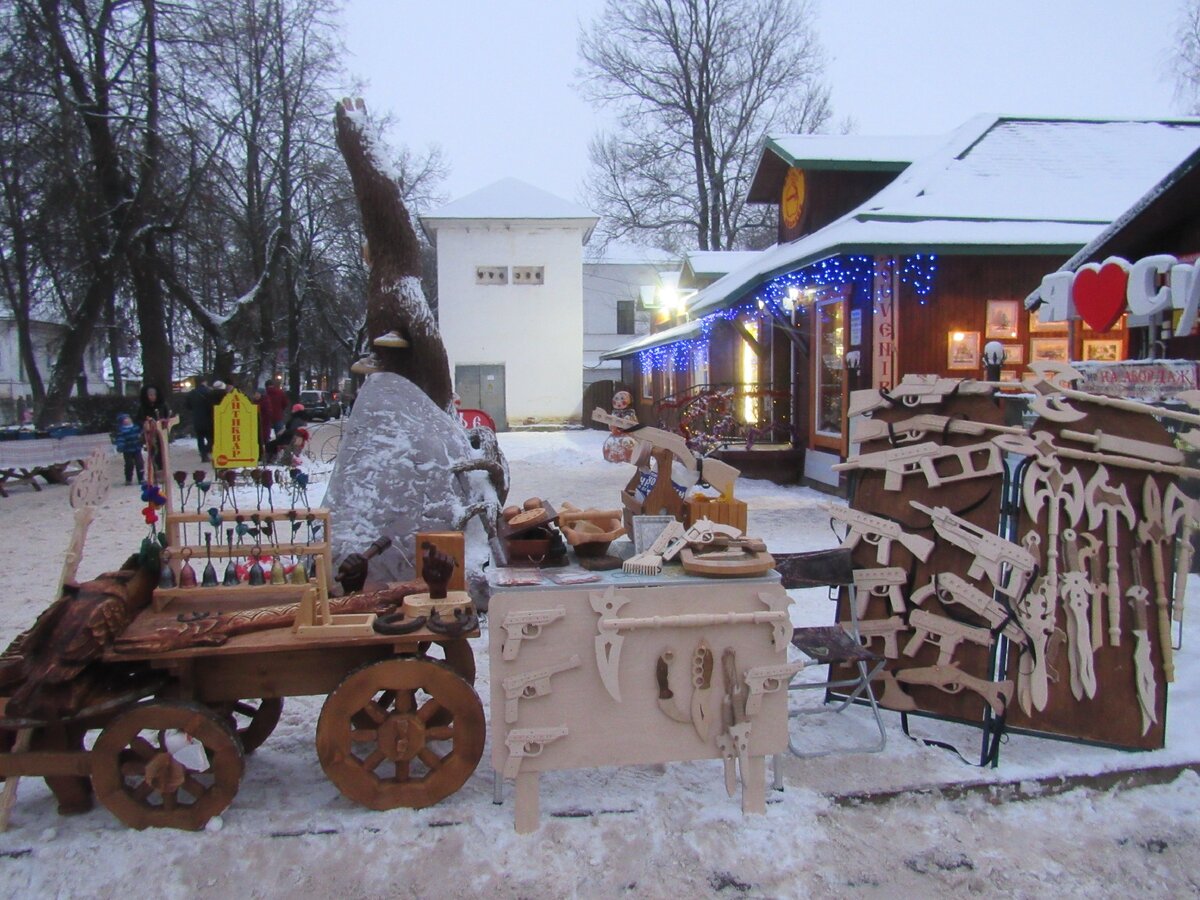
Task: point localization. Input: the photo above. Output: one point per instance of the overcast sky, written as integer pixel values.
(491, 80)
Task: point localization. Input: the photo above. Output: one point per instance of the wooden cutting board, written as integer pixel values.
(750, 563)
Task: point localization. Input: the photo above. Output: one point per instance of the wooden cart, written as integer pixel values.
(400, 726)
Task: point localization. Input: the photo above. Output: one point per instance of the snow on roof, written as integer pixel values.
(707, 263)
(618, 254)
(996, 186)
(510, 198)
(851, 151)
(1030, 169)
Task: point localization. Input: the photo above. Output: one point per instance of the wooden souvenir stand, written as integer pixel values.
(629, 669)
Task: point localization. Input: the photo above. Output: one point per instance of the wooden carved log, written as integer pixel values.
(403, 335)
(216, 630)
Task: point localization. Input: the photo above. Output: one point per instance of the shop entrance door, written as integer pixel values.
(482, 387)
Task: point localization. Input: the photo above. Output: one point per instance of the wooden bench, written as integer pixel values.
(23, 462)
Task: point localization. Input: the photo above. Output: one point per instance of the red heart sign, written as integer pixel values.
(1099, 294)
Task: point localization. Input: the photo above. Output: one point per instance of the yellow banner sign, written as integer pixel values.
(235, 432)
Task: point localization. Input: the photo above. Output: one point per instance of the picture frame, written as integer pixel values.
(646, 529)
(1014, 354)
(1049, 350)
(962, 350)
(1037, 326)
(1103, 351)
(1001, 324)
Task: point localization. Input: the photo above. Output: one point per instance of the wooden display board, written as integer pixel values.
(1055, 611)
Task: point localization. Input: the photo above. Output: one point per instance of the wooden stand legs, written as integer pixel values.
(527, 809)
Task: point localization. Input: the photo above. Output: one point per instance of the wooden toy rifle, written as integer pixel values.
(945, 634)
(992, 552)
(917, 427)
(952, 589)
(973, 461)
(878, 532)
(953, 680)
(914, 390)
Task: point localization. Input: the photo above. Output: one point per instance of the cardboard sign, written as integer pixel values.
(235, 432)
(1151, 381)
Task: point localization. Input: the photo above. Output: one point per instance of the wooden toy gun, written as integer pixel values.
(887, 629)
(524, 743)
(914, 390)
(532, 684)
(922, 459)
(952, 680)
(878, 532)
(953, 589)
(766, 680)
(526, 625)
(992, 552)
(887, 582)
(915, 428)
(943, 633)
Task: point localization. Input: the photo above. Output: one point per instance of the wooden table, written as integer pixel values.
(575, 669)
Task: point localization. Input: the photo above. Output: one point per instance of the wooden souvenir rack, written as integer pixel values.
(175, 525)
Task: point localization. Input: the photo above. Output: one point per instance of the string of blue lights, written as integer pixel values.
(775, 297)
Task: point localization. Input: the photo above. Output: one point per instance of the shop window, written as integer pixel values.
(491, 274)
(830, 372)
(625, 317)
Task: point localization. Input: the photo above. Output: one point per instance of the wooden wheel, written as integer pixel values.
(457, 654)
(148, 775)
(378, 740)
(251, 720)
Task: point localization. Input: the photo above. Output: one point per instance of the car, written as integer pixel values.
(319, 406)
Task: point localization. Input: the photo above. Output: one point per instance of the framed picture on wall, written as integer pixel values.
(962, 350)
(1036, 325)
(1014, 354)
(1048, 350)
(1102, 351)
(1001, 320)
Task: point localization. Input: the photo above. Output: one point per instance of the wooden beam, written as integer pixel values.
(759, 348)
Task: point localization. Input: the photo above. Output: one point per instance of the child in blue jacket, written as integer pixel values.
(129, 443)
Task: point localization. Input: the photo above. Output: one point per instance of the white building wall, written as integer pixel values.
(535, 331)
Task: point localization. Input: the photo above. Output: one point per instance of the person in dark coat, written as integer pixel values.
(152, 406)
(199, 404)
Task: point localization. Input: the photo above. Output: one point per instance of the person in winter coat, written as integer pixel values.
(277, 405)
(152, 406)
(129, 445)
(293, 437)
(199, 404)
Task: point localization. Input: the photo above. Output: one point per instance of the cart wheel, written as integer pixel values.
(251, 720)
(146, 783)
(456, 653)
(398, 757)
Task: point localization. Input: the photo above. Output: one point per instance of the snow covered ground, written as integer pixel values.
(643, 831)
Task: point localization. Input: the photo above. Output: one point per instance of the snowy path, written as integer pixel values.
(642, 831)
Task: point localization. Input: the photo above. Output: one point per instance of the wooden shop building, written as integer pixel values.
(894, 256)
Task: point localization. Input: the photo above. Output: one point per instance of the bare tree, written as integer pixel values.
(1186, 58)
(695, 84)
